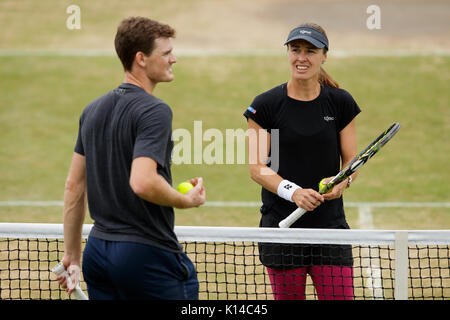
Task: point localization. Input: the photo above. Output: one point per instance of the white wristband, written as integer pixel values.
(286, 189)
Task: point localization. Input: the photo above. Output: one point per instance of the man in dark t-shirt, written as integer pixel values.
(122, 164)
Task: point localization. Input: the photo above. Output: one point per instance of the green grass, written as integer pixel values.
(44, 96)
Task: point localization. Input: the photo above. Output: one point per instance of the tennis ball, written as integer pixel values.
(323, 184)
(184, 187)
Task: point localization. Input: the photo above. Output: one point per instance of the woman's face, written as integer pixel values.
(305, 60)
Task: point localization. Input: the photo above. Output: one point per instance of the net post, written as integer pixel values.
(401, 265)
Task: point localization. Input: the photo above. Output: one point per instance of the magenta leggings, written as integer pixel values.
(330, 282)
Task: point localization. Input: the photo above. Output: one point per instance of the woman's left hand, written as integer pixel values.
(337, 191)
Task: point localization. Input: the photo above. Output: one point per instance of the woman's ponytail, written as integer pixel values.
(326, 79)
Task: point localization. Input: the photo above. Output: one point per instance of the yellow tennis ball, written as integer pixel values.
(323, 184)
(184, 187)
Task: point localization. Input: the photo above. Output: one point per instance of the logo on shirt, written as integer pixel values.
(120, 91)
(327, 118)
(251, 110)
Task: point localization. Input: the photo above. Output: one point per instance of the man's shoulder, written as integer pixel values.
(139, 98)
(151, 105)
(129, 96)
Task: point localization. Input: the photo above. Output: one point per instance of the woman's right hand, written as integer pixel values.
(307, 199)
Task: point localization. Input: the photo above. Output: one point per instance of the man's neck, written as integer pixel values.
(140, 81)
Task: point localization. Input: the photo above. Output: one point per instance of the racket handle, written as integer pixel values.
(78, 294)
(290, 219)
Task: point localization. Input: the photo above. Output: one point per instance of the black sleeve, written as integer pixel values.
(153, 131)
(348, 109)
(79, 147)
(259, 111)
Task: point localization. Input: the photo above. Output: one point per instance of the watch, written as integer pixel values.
(349, 182)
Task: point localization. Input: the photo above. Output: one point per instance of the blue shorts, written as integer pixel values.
(134, 271)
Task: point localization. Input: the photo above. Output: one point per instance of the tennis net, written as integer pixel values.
(381, 264)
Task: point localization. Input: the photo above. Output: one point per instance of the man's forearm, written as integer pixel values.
(74, 214)
(157, 190)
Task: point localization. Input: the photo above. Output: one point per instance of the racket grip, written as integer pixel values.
(78, 294)
(290, 219)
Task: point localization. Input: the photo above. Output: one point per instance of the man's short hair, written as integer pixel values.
(136, 34)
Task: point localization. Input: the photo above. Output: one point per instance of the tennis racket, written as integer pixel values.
(77, 293)
(354, 165)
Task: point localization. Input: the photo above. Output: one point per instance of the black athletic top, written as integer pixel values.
(116, 128)
(309, 146)
(308, 150)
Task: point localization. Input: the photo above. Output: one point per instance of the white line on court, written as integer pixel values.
(50, 203)
(217, 52)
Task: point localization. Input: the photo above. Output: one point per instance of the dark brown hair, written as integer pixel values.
(136, 34)
(324, 77)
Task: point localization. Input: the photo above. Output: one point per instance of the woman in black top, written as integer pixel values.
(304, 130)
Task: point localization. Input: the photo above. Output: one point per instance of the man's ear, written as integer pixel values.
(140, 58)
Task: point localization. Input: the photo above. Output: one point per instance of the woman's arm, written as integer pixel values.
(348, 152)
(258, 150)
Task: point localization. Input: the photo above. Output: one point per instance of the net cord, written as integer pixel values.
(271, 235)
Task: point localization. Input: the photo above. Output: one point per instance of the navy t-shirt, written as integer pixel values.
(116, 128)
(309, 147)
